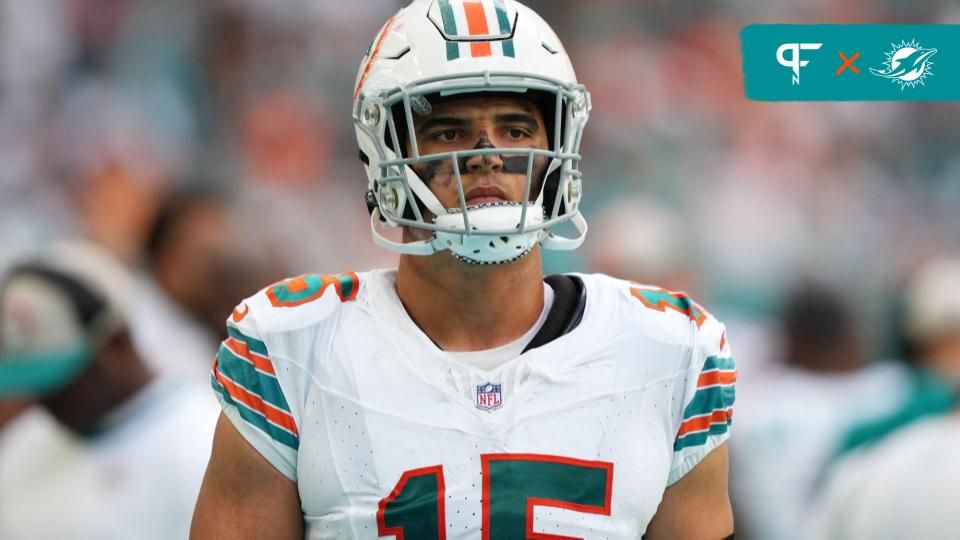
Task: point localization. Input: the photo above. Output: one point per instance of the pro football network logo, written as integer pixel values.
(794, 62)
(489, 396)
(907, 64)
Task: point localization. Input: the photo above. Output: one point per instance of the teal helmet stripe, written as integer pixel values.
(505, 28)
(450, 28)
(40, 374)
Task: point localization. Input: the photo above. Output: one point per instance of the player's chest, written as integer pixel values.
(564, 458)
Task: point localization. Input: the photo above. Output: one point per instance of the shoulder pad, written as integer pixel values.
(675, 314)
(296, 302)
(662, 300)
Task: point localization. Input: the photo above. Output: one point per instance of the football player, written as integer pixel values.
(464, 395)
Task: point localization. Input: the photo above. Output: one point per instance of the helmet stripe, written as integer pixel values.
(468, 18)
(373, 56)
(505, 28)
(477, 25)
(450, 28)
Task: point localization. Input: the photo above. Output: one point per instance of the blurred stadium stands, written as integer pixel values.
(107, 107)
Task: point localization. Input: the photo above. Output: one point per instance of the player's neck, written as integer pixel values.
(470, 308)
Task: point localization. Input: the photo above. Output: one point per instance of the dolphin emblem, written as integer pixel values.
(906, 64)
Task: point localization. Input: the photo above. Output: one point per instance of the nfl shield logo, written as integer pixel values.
(488, 397)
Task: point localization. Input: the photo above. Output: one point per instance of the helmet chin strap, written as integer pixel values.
(564, 243)
(419, 247)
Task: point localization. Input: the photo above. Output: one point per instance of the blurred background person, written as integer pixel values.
(932, 319)
(929, 336)
(197, 264)
(111, 451)
(899, 477)
(10, 408)
(903, 487)
(792, 415)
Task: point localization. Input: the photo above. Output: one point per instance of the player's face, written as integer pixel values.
(481, 122)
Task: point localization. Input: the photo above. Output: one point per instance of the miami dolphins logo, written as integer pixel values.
(907, 64)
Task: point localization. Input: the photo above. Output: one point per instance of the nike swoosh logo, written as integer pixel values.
(239, 314)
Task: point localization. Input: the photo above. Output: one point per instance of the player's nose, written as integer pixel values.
(484, 162)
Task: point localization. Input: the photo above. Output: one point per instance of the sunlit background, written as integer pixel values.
(209, 145)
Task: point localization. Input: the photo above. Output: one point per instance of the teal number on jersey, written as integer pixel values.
(660, 300)
(414, 509)
(513, 484)
(307, 288)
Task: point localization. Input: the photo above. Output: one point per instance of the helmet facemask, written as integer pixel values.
(490, 233)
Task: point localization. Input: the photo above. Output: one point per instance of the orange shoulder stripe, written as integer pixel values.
(254, 402)
(715, 377)
(241, 349)
(700, 423)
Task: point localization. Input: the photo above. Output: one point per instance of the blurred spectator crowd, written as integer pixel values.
(208, 145)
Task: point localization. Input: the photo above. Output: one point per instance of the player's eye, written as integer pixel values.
(517, 134)
(448, 135)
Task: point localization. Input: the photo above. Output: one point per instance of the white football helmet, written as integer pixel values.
(433, 49)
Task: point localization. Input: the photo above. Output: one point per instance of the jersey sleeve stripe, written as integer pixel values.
(699, 438)
(724, 363)
(715, 377)
(239, 395)
(710, 412)
(273, 415)
(255, 418)
(244, 374)
(704, 422)
(709, 399)
(241, 349)
(252, 344)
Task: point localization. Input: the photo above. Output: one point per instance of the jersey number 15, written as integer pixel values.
(513, 484)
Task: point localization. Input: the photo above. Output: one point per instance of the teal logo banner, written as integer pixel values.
(851, 62)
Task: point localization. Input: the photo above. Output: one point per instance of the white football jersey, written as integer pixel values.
(386, 435)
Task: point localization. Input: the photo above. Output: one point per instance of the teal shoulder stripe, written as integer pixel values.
(450, 28)
(700, 437)
(242, 372)
(719, 362)
(707, 400)
(256, 419)
(255, 345)
(505, 27)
